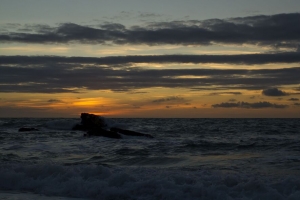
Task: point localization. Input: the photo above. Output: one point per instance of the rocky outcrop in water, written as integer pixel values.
(96, 126)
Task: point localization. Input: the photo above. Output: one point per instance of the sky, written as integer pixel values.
(136, 58)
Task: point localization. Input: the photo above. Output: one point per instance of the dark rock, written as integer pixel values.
(91, 120)
(131, 133)
(80, 127)
(96, 126)
(24, 129)
(104, 133)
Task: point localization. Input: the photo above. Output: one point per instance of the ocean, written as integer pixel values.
(186, 159)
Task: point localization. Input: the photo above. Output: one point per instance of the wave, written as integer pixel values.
(214, 145)
(91, 181)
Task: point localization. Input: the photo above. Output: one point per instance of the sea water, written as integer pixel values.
(186, 159)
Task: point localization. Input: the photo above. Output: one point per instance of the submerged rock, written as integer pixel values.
(95, 126)
(128, 132)
(104, 133)
(24, 129)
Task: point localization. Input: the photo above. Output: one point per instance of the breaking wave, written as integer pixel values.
(91, 181)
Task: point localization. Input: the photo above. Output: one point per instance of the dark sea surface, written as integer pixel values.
(186, 159)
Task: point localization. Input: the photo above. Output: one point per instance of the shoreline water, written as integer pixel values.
(186, 159)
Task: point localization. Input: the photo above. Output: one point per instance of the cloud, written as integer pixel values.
(58, 77)
(244, 59)
(221, 93)
(149, 15)
(113, 26)
(232, 100)
(54, 101)
(226, 105)
(174, 99)
(136, 92)
(121, 90)
(257, 105)
(293, 99)
(273, 92)
(279, 30)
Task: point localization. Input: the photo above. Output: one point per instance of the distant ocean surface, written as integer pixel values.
(186, 159)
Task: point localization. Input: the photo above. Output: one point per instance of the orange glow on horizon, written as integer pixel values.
(87, 103)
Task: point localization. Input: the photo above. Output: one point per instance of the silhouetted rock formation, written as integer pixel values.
(91, 120)
(25, 129)
(96, 126)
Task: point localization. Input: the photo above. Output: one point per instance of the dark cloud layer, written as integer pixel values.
(55, 77)
(246, 59)
(221, 93)
(276, 30)
(173, 99)
(274, 92)
(54, 101)
(232, 100)
(256, 105)
(293, 99)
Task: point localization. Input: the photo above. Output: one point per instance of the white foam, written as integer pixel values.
(90, 181)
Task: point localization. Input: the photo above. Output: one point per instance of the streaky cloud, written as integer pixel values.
(293, 99)
(56, 77)
(170, 99)
(232, 100)
(221, 93)
(256, 105)
(238, 59)
(274, 92)
(280, 30)
(54, 101)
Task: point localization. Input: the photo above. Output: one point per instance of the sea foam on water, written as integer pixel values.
(90, 181)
